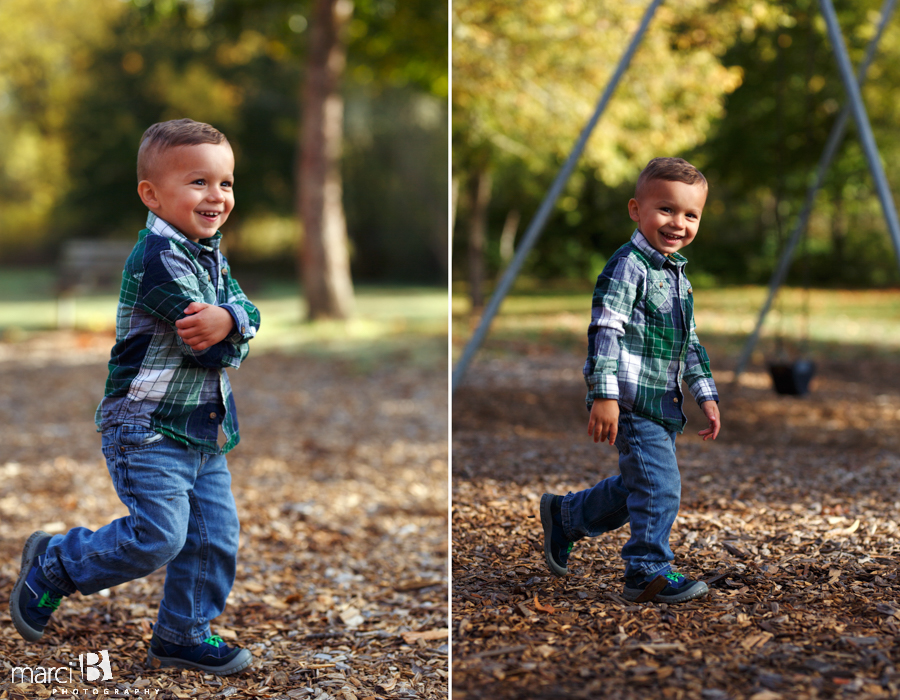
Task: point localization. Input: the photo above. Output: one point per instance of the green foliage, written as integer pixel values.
(45, 47)
(81, 80)
(747, 91)
(527, 76)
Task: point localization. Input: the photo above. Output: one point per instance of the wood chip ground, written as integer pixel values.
(791, 517)
(341, 485)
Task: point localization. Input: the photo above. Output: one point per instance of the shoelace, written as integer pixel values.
(50, 600)
(674, 577)
(215, 641)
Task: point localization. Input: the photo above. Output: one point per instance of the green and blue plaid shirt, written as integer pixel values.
(155, 379)
(642, 341)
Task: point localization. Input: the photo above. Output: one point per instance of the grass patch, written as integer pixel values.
(844, 322)
(411, 321)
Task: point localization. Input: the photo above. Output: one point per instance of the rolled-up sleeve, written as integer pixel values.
(698, 372)
(615, 295)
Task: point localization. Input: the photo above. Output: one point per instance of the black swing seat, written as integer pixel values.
(792, 378)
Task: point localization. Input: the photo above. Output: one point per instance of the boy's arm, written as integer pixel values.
(711, 411)
(205, 325)
(697, 371)
(698, 375)
(604, 421)
(168, 288)
(243, 311)
(615, 296)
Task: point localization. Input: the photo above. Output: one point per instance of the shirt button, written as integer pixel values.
(675, 399)
(243, 330)
(212, 415)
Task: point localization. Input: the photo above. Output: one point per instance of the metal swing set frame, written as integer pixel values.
(854, 107)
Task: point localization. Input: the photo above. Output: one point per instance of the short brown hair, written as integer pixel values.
(672, 170)
(171, 134)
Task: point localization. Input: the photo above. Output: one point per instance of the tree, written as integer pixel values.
(527, 76)
(758, 143)
(81, 80)
(45, 50)
(325, 260)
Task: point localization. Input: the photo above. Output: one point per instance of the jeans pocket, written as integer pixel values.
(133, 437)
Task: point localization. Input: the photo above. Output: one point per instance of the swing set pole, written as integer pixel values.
(862, 124)
(831, 147)
(536, 227)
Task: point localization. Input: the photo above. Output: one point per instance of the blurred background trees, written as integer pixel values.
(80, 80)
(747, 90)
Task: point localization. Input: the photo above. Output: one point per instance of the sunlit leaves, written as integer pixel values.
(44, 51)
(527, 76)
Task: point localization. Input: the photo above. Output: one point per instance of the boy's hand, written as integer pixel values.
(711, 410)
(604, 422)
(204, 326)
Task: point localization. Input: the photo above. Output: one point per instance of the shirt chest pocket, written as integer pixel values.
(659, 296)
(208, 287)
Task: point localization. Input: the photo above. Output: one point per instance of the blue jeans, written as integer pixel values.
(647, 492)
(182, 515)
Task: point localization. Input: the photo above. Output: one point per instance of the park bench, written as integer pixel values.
(87, 266)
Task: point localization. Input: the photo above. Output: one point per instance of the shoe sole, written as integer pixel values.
(697, 590)
(32, 544)
(243, 660)
(547, 523)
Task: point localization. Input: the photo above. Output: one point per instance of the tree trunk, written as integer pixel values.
(481, 198)
(508, 236)
(324, 259)
(838, 227)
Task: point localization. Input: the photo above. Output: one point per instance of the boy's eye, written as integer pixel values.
(199, 182)
(228, 183)
(667, 210)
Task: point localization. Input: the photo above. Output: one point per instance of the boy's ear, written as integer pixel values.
(147, 193)
(634, 210)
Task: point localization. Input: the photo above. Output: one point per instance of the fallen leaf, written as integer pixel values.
(410, 637)
(549, 609)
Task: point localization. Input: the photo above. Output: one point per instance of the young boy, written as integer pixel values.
(182, 319)
(641, 345)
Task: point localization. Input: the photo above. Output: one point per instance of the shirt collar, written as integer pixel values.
(164, 228)
(657, 259)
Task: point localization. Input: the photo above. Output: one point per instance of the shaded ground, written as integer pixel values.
(791, 516)
(341, 485)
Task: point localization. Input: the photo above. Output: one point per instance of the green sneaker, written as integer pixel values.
(556, 547)
(668, 587)
(34, 599)
(212, 655)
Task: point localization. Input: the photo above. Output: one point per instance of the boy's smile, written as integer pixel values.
(192, 188)
(668, 213)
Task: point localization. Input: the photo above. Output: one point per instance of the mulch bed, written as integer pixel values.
(341, 484)
(791, 516)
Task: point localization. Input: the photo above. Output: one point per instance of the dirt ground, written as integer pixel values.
(341, 485)
(791, 516)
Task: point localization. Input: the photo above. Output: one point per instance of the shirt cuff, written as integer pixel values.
(243, 330)
(602, 386)
(704, 389)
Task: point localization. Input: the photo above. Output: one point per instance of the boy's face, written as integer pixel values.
(192, 188)
(668, 213)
